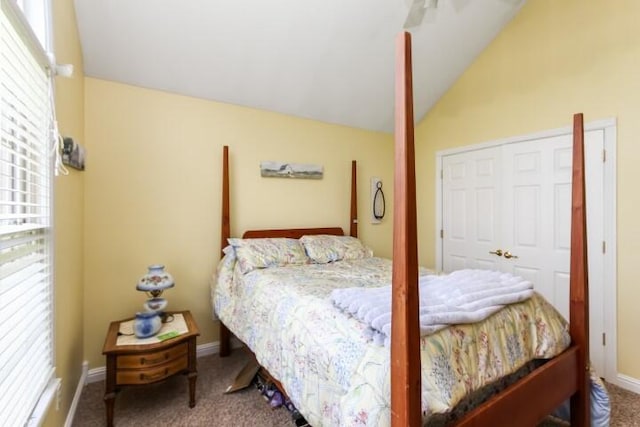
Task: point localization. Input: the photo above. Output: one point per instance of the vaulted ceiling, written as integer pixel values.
(327, 60)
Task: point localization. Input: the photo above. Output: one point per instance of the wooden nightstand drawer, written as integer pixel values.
(155, 358)
(144, 376)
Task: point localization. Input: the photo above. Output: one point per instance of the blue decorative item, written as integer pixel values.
(146, 324)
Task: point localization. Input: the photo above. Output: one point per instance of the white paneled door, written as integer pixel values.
(472, 187)
(508, 207)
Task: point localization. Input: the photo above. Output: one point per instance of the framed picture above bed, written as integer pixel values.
(272, 169)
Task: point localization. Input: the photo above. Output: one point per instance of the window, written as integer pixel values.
(37, 15)
(26, 276)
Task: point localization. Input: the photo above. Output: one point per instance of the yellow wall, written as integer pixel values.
(68, 217)
(153, 192)
(555, 58)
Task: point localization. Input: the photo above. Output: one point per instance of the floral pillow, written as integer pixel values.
(324, 248)
(269, 252)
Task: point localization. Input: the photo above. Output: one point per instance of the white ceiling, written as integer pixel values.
(327, 60)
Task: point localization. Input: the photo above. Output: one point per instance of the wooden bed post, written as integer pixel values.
(406, 386)
(353, 226)
(579, 280)
(225, 233)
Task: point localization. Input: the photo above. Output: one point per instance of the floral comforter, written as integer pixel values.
(330, 370)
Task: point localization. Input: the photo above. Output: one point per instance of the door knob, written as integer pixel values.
(496, 252)
(509, 255)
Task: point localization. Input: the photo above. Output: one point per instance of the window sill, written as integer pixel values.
(44, 403)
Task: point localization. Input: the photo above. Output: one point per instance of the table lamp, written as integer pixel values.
(154, 283)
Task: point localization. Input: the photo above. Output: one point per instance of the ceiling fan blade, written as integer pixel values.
(415, 15)
(417, 11)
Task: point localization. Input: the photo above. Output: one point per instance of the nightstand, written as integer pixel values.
(141, 364)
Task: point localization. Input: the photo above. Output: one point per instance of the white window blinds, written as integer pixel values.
(26, 310)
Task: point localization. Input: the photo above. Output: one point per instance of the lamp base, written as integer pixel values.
(146, 324)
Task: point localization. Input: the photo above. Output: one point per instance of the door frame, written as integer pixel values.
(609, 127)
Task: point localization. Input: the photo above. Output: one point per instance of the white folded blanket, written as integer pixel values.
(464, 296)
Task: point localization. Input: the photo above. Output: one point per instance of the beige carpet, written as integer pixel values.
(166, 404)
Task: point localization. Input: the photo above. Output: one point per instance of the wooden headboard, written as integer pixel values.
(292, 233)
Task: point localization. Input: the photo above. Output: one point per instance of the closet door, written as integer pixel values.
(520, 205)
(536, 208)
(537, 222)
(471, 209)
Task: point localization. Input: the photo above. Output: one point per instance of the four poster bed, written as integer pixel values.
(327, 347)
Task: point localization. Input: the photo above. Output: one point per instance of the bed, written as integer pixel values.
(345, 367)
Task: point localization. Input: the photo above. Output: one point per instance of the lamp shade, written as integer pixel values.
(156, 279)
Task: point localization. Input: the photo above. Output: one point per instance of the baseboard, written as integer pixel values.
(628, 383)
(96, 374)
(206, 349)
(76, 397)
